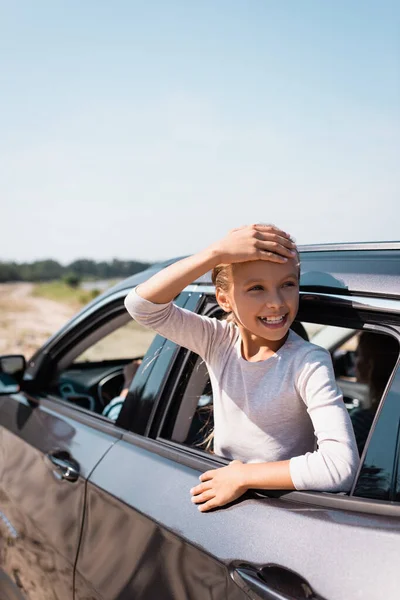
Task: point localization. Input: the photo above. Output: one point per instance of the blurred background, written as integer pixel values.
(132, 132)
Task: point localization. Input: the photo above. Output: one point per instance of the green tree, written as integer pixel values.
(72, 279)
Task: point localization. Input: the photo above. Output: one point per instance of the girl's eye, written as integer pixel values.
(256, 288)
(289, 284)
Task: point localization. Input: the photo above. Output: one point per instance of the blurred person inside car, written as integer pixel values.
(113, 408)
(279, 415)
(375, 358)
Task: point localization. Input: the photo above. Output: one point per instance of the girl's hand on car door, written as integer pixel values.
(219, 486)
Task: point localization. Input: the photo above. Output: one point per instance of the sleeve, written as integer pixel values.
(196, 332)
(113, 408)
(332, 467)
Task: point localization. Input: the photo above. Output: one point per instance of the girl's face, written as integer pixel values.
(264, 298)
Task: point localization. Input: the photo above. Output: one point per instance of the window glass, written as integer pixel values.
(97, 373)
(130, 340)
(379, 474)
(330, 337)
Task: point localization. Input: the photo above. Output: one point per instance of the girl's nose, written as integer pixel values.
(274, 299)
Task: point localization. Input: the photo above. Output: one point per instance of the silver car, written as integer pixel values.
(95, 504)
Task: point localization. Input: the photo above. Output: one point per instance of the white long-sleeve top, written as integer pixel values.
(286, 407)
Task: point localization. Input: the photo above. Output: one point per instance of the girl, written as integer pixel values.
(274, 393)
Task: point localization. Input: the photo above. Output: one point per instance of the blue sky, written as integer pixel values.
(148, 129)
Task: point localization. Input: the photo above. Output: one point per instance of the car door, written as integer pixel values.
(151, 541)
(47, 452)
(48, 448)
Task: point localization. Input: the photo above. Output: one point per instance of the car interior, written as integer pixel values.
(91, 373)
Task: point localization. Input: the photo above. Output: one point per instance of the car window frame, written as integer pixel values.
(115, 309)
(80, 328)
(366, 314)
(47, 360)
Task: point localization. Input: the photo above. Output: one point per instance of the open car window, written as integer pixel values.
(129, 340)
(97, 371)
(363, 363)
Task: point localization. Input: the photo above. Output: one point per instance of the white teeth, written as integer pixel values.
(272, 319)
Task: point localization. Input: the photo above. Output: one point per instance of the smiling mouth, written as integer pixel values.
(273, 322)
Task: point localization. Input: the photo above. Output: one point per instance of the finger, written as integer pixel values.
(268, 227)
(275, 248)
(204, 497)
(279, 239)
(201, 488)
(206, 476)
(274, 238)
(208, 505)
(271, 257)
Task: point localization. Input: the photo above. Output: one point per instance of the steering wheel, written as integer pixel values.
(110, 386)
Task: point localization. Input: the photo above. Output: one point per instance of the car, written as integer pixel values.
(94, 508)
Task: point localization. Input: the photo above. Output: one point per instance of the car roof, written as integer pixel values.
(348, 269)
(370, 269)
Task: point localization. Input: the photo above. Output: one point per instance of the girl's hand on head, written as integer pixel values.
(219, 487)
(255, 242)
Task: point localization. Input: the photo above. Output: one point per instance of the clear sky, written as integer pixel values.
(148, 129)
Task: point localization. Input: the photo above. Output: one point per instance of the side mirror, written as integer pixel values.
(12, 368)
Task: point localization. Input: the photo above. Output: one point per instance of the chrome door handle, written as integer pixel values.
(65, 466)
(273, 583)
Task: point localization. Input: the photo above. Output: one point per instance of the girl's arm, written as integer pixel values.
(252, 242)
(331, 467)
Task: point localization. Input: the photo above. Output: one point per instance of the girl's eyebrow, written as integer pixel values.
(249, 281)
(262, 281)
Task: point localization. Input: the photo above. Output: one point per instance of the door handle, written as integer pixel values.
(65, 466)
(273, 582)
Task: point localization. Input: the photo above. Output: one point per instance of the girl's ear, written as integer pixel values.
(223, 300)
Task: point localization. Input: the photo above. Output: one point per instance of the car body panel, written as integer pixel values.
(156, 562)
(258, 531)
(44, 513)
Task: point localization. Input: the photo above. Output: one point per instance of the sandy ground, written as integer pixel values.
(26, 321)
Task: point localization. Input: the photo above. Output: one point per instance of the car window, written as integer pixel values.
(363, 363)
(379, 475)
(331, 337)
(97, 372)
(131, 339)
(363, 366)
(194, 423)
